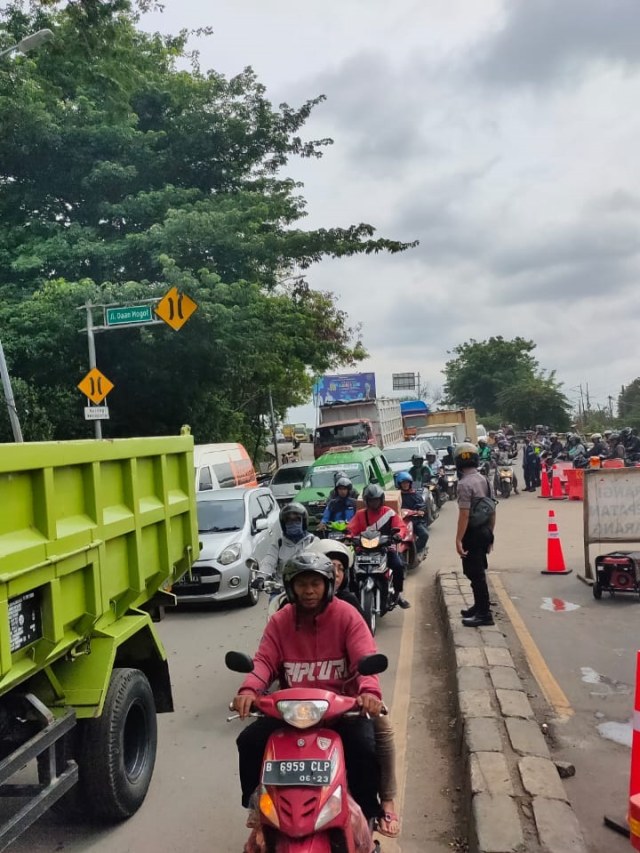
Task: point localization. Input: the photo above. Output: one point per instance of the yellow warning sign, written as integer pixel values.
(175, 308)
(95, 386)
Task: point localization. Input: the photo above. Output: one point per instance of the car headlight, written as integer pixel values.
(230, 554)
(304, 714)
(331, 809)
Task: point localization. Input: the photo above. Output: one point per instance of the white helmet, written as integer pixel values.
(328, 547)
(596, 437)
(482, 440)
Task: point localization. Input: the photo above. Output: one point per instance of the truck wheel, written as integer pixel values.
(119, 748)
(597, 591)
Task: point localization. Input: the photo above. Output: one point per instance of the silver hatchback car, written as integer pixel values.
(235, 525)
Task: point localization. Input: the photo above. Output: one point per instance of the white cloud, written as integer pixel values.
(503, 135)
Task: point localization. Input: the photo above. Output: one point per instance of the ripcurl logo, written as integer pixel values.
(322, 670)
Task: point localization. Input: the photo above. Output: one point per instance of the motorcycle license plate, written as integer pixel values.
(311, 771)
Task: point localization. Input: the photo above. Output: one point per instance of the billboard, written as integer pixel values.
(344, 388)
(405, 381)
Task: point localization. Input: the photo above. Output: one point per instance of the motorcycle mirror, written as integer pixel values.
(372, 664)
(239, 662)
(251, 564)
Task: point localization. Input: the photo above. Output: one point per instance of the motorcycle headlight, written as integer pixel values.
(230, 554)
(369, 543)
(303, 714)
(331, 809)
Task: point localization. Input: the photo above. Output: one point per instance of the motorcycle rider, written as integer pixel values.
(419, 472)
(555, 445)
(294, 520)
(617, 449)
(485, 453)
(376, 514)
(473, 543)
(342, 507)
(389, 824)
(448, 459)
(317, 642)
(414, 501)
(341, 475)
(598, 447)
(631, 442)
(575, 447)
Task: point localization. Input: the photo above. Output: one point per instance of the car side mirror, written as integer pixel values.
(368, 665)
(260, 524)
(297, 487)
(373, 480)
(239, 662)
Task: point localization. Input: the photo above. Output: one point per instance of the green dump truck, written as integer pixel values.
(92, 534)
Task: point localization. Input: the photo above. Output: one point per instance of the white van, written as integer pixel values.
(222, 466)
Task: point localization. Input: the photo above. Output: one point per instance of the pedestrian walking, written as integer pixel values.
(474, 534)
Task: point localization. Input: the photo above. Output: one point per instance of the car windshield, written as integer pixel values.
(220, 516)
(440, 442)
(342, 434)
(322, 476)
(401, 454)
(288, 475)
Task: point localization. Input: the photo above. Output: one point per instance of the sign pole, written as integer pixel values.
(92, 356)
(274, 437)
(8, 396)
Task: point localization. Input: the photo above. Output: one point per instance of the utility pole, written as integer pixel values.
(610, 398)
(274, 437)
(92, 355)
(8, 396)
(588, 400)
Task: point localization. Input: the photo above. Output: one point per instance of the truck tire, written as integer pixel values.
(118, 749)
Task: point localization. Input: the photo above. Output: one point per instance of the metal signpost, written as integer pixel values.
(406, 381)
(174, 309)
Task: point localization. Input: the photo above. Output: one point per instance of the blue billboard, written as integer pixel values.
(344, 388)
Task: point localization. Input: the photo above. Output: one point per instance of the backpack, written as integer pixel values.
(482, 510)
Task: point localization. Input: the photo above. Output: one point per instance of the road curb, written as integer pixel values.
(516, 801)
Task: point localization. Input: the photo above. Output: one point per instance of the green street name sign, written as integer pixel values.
(133, 315)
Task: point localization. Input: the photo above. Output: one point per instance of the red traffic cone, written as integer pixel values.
(556, 486)
(545, 488)
(634, 776)
(555, 557)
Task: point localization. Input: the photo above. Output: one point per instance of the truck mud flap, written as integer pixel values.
(57, 781)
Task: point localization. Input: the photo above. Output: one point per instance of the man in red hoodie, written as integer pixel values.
(315, 641)
(386, 521)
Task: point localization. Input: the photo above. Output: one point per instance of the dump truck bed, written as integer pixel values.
(89, 531)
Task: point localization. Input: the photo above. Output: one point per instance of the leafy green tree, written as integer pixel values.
(535, 399)
(502, 378)
(629, 404)
(480, 370)
(122, 174)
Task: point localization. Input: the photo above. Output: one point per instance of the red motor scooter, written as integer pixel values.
(303, 804)
(407, 547)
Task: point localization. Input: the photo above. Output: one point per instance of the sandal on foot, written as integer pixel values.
(385, 825)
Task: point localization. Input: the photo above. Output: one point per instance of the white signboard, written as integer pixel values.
(96, 413)
(611, 507)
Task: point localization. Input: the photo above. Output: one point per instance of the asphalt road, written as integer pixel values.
(589, 648)
(193, 804)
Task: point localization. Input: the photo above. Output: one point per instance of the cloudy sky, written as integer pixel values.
(502, 134)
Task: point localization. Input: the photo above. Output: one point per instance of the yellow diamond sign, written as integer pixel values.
(95, 386)
(175, 308)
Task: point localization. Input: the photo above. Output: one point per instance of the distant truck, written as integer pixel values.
(450, 427)
(357, 424)
(93, 535)
(415, 415)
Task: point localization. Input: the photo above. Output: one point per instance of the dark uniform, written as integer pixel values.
(475, 541)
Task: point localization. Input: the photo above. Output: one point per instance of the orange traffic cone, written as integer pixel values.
(556, 486)
(555, 557)
(545, 488)
(634, 776)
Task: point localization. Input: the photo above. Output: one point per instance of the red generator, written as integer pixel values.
(617, 572)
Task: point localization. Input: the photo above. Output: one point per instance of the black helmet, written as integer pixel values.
(338, 476)
(373, 492)
(615, 436)
(466, 455)
(343, 482)
(306, 562)
(417, 459)
(625, 433)
(295, 509)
